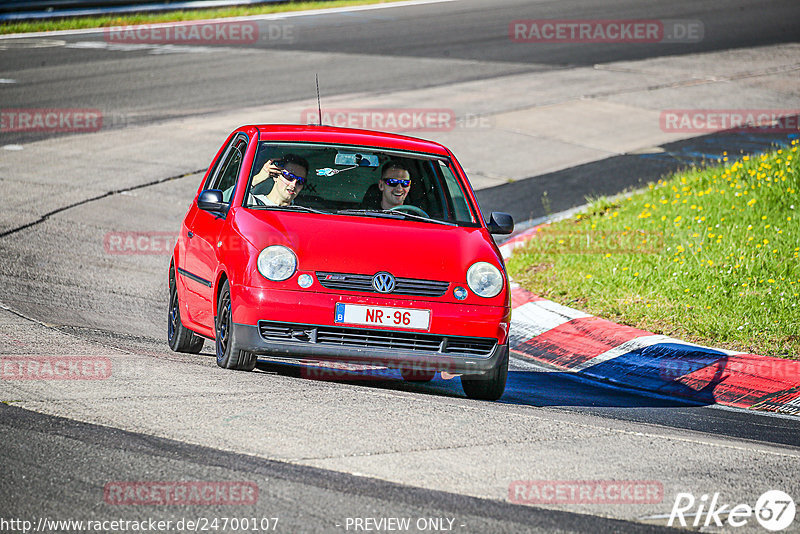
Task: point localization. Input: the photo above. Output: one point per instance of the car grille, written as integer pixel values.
(376, 339)
(363, 282)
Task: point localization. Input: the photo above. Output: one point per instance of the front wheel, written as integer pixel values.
(179, 338)
(228, 356)
(489, 386)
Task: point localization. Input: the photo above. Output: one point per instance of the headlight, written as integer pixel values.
(277, 263)
(484, 279)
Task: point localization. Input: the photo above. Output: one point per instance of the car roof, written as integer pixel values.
(346, 136)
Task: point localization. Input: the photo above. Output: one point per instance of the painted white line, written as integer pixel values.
(529, 321)
(794, 402)
(271, 16)
(517, 363)
(533, 319)
(640, 343)
(151, 48)
(628, 346)
(7, 80)
(564, 311)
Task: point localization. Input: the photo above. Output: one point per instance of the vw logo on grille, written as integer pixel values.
(383, 282)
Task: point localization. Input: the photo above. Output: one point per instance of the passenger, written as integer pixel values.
(289, 174)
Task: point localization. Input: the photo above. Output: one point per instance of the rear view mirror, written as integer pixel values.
(500, 223)
(352, 158)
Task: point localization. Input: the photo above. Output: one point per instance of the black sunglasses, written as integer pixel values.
(290, 176)
(395, 182)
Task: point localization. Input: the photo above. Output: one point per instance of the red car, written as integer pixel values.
(321, 243)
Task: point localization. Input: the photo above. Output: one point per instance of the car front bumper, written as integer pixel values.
(457, 355)
(462, 339)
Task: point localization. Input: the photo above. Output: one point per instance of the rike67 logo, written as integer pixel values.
(774, 510)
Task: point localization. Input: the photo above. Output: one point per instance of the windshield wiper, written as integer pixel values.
(289, 208)
(373, 213)
(395, 214)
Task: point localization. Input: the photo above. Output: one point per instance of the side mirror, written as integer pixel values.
(500, 223)
(211, 200)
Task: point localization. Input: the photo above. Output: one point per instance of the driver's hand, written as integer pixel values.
(269, 170)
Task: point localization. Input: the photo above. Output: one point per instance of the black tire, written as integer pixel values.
(228, 356)
(417, 375)
(179, 338)
(489, 386)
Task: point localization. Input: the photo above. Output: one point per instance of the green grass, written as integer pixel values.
(708, 255)
(72, 23)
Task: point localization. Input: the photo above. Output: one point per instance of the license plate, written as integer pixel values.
(383, 316)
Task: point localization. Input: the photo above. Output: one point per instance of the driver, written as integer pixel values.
(289, 174)
(394, 185)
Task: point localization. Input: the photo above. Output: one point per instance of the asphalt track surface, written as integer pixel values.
(57, 465)
(368, 51)
(304, 499)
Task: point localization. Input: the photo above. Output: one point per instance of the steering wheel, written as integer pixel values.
(410, 208)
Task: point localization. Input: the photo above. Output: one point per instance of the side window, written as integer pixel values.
(228, 171)
(460, 205)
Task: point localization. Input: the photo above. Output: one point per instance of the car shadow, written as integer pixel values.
(524, 387)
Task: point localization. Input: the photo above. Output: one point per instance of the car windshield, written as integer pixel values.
(362, 181)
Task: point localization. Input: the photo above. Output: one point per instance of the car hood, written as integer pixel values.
(366, 245)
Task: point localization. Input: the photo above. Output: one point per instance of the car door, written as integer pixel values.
(203, 236)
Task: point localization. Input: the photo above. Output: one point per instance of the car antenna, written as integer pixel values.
(319, 102)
